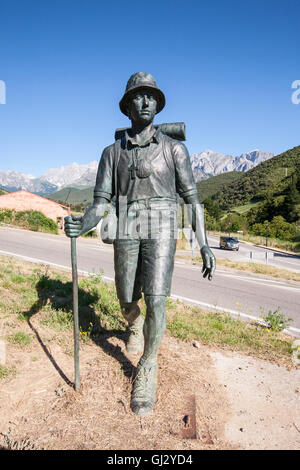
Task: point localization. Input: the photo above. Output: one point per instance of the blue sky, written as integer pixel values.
(226, 68)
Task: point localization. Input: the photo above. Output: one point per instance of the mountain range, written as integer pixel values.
(209, 163)
(204, 165)
(53, 180)
(74, 174)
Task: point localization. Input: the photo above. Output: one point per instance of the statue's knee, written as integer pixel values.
(155, 303)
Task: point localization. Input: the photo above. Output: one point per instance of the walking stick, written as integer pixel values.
(75, 312)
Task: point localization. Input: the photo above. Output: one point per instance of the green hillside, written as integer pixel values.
(269, 179)
(264, 201)
(3, 191)
(73, 195)
(211, 186)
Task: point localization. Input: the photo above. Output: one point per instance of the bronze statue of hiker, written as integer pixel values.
(144, 171)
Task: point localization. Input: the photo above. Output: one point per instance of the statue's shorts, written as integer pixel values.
(144, 252)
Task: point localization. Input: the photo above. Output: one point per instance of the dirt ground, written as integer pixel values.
(207, 399)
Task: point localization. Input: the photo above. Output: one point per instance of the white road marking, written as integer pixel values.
(55, 265)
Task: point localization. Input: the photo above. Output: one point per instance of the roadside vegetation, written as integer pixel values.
(6, 372)
(31, 220)
(276, 320)
(38, 309)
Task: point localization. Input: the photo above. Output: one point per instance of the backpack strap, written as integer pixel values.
(118, 146)
(168, 155)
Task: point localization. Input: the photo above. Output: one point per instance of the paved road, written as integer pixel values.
(243, 293)
(275, 258)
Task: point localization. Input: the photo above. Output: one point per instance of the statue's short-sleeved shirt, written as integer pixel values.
(159, 169)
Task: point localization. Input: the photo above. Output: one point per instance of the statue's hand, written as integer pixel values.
(73, 225)
(209, 262)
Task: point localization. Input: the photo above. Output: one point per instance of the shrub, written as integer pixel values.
(276, 321)
(32, 220)
(277, 228)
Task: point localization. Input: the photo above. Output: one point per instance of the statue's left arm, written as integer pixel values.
(186, 188)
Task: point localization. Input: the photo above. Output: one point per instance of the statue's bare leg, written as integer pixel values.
(131, 313)
(144, 387)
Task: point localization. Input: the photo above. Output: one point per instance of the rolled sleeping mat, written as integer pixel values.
(175, 130)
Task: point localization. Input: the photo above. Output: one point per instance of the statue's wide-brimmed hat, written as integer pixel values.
(138, 81)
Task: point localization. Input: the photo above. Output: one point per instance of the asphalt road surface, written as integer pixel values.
(275, 258)
(238, 293)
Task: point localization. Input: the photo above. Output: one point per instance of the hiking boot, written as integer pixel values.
(135, 343)
(144, 389)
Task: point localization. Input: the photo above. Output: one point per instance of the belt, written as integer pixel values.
(154, 203)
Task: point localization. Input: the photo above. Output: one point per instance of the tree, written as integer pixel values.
(277, 228)
(292, 201)
(213, 208)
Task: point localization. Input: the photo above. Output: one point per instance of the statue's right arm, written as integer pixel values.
(77, 225)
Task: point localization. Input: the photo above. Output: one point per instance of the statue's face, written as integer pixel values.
(142, 106)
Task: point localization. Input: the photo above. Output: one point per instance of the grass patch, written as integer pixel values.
(17, 278)
(19, 339)
(58, 320)
(245, 208)
(7, 372)
(46, 303)
(221, 330)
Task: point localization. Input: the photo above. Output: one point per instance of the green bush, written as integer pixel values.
(32, 220)
(277, 228)
(276, 321)
(91, 234)
(6, 216)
